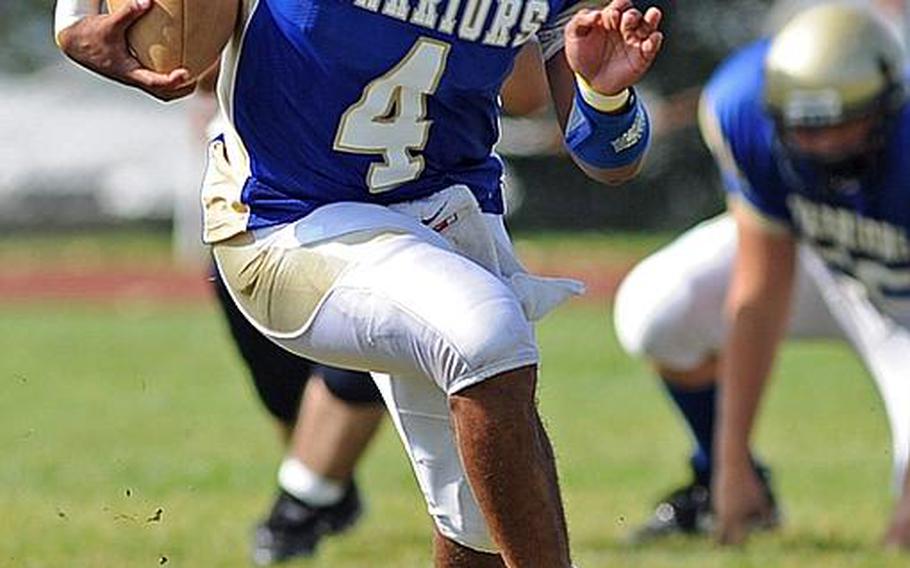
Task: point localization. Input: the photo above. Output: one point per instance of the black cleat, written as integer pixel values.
(293, 528)
(687, 511)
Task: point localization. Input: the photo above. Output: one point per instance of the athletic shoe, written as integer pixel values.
(293, 527)
(687, 511)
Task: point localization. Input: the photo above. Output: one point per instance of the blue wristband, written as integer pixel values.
(607, 140)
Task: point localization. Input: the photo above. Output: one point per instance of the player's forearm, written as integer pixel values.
(607, 137)
(757, 308)
(755, 330)
(98, 43)
(69, 12)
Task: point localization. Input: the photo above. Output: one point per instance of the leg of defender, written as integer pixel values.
(332, 434)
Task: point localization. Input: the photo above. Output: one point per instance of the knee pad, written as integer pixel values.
(493, 338)
(352, 387)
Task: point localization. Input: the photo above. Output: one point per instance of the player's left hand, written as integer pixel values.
(739, 501)
(612, 48)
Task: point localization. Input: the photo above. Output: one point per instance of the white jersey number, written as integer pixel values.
(390, 117)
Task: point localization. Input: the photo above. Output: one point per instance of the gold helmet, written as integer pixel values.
(832, 63)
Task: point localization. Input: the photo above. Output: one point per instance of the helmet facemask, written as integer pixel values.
(854, 162)
(833, 84)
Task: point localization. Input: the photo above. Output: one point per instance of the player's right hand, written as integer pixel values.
(99, 44)
(739, 499)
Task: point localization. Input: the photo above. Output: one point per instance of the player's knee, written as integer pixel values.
(650, 313)
(493, 338)
(509, 396)
(350, 386)
(467, 527)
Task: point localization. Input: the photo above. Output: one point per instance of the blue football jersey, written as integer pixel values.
(859, 229)
(376, 101)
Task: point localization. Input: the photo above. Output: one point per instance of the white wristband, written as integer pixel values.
(69, 12)
(600, 101)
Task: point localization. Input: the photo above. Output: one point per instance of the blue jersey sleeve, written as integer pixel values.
(740, 135)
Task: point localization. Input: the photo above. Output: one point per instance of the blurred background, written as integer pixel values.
(76, 152)
(121, 395)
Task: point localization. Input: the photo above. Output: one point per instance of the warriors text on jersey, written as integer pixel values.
(860, 228)
(375, 101)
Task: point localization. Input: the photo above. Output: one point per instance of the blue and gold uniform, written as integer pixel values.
(858, 225)
(377, 101)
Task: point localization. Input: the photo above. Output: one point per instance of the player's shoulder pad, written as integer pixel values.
(730, 110)
(733, 94)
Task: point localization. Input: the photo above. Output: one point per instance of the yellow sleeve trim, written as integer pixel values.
(600, 101)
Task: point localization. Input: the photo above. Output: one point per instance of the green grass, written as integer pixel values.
(84, 249)
(108, 415)
(95, 248)
(596, 242)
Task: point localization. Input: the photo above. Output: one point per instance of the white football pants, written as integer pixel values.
(669, 309)
(428, 312)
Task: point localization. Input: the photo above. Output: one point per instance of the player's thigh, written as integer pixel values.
(670, 306)
(397, 303)
(418, 309)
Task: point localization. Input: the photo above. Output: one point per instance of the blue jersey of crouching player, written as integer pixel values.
(858, 225)
(377, 101)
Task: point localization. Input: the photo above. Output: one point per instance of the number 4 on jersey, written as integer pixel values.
(390, 117)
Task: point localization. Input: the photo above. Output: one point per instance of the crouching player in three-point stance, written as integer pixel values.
(355, 210)
(811, 134)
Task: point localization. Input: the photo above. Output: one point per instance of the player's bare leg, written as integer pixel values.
(509, 463)
(450, 554)
(318, 494)
(701, 376)
(331, 435)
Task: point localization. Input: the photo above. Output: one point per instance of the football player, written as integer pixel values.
(354, 208)
(326, 416)
(810, 131)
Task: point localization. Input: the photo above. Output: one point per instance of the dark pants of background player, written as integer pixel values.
(280, 376)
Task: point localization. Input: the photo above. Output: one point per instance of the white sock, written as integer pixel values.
(308, 486)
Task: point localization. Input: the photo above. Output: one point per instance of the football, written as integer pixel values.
(181, 33)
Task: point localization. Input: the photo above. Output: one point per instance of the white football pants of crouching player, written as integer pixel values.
(669, 309)
(428, 312)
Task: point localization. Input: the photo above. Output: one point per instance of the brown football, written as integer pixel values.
(181, 33)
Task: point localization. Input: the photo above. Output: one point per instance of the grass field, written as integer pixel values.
(110, 414)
